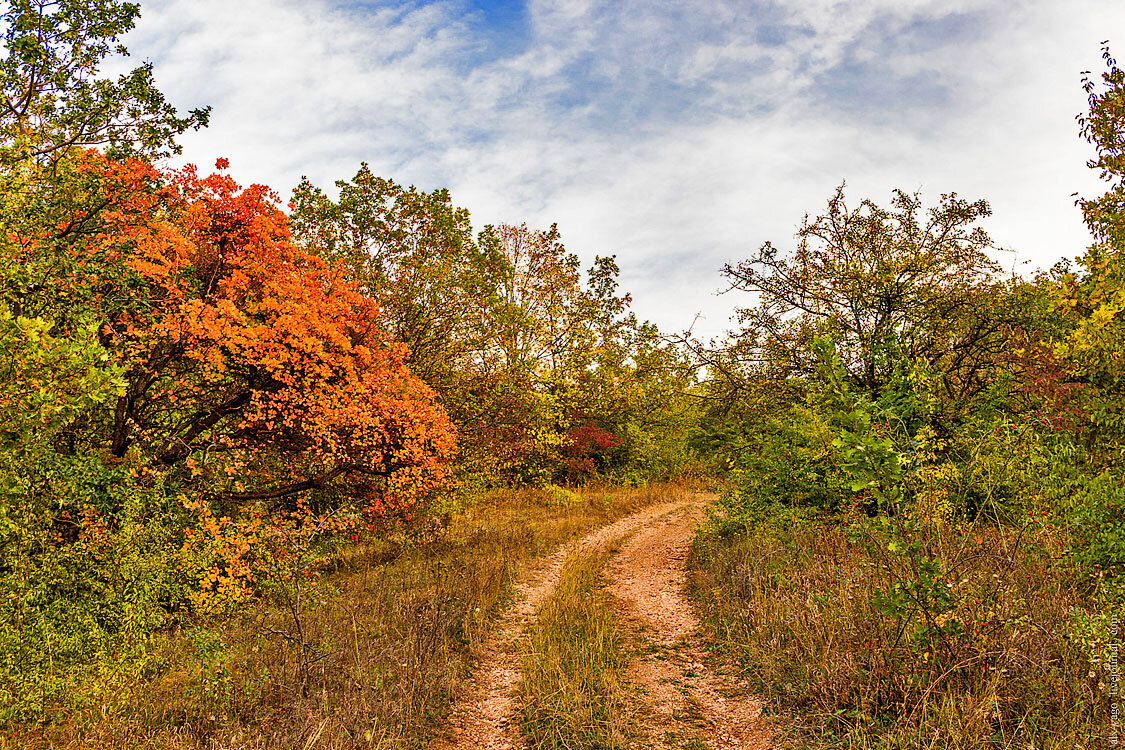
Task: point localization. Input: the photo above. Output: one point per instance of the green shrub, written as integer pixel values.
(1094, 510)
(88, 571)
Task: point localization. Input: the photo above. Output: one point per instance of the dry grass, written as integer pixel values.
(1005, 666)
(395, 627)
(572, 688)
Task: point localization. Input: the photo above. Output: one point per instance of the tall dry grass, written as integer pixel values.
(395, 625)
(1004, 665)
(573, 690)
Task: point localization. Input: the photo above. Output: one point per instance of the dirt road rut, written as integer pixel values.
(683, 698)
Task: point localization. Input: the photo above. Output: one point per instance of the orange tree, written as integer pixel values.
(168, 349)
(250, 362)
(186, 394)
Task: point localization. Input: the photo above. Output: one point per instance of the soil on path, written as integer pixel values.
(484, 719)
(686, 701)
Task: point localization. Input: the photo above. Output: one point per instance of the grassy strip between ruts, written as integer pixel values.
(395, 624)
(573, 688)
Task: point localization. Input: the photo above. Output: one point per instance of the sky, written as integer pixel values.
(678, 135)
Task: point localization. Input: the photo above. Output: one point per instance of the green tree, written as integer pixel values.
(1102, 128)
(1094, 298)
(51, 97)
(415, 254)
(502, 324)
(885, 283)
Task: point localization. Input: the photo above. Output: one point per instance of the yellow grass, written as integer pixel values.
(394, 626)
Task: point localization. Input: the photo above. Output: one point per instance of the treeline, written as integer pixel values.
(924, 538)
(201, 391)
(540, 366)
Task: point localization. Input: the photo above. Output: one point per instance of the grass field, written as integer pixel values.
(390, 632)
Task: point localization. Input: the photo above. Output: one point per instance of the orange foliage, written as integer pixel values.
(253, 364)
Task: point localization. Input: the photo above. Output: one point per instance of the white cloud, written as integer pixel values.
(678, 135)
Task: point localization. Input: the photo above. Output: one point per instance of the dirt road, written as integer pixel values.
(683, 698)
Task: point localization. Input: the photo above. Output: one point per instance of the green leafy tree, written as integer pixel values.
(414, 253)
(521, 349)
(1102, 128)
(882, 282)
(1094, 298)
(52, 98)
